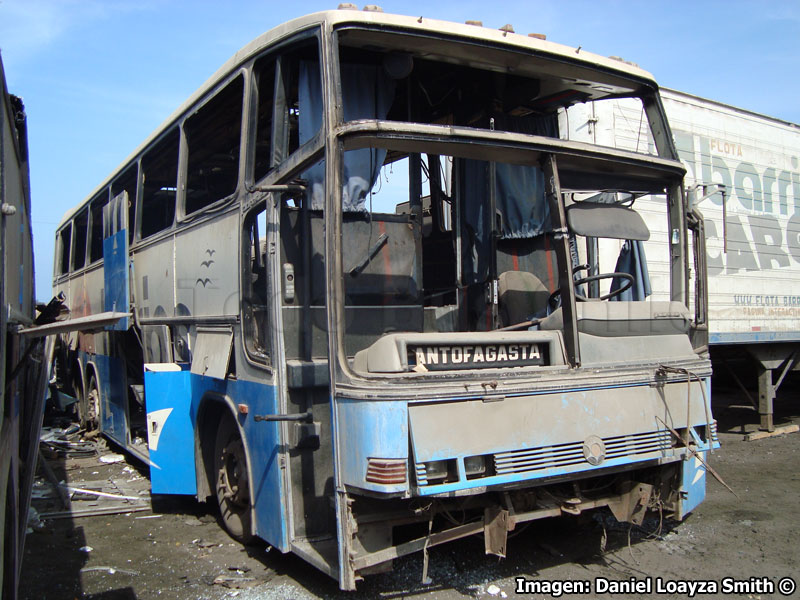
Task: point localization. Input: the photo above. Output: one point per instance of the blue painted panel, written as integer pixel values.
(371, 429)
(754, 337)
(170, 429)
(115, 277)
(693, 484)
(263, 441)
(113, 398)
(173, 400)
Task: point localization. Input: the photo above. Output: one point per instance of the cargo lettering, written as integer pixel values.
(758, 239)
(767, 192)
(765, 251)
(726, 148)
(765, 300)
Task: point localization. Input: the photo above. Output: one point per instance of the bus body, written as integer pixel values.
(23, 376)
(374, 304)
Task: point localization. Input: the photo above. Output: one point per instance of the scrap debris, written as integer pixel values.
(111, 458)
(782, 430)
(235, 582)
(109, 570)
(58, 499)
(67, 443)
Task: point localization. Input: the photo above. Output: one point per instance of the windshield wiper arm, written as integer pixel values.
(370, 255)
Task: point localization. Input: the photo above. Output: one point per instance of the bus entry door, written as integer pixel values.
(115, 259)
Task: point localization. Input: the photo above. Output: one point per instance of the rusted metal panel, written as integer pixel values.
(495, 530)
(632, 503)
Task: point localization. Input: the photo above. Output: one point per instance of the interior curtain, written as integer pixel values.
(367, 93)
(632, 260)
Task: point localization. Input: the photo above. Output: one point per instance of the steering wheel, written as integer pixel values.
(554, 301)
(555, 298)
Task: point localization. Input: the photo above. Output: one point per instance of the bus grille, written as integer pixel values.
(422, 474)
(564, 455)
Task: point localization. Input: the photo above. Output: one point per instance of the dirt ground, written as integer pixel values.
(178, 551)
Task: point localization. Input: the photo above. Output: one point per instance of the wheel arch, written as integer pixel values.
(77, 374)
(209, 413)
(91, 370)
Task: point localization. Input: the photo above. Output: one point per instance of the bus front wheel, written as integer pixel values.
(232, 481)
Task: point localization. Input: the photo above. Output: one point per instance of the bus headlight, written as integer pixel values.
(474, 465)
(436, 469)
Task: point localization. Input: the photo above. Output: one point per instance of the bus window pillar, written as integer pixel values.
(561, 246)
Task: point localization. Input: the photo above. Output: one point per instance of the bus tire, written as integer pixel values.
(232, 485)
(89, 406)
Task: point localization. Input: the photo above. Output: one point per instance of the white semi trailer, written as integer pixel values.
(744, 176)
(753, 237)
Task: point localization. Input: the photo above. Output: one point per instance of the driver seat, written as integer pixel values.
(521, 296)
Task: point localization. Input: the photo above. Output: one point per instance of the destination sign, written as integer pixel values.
(481, 356)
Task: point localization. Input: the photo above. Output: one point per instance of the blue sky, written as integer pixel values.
(98, 76)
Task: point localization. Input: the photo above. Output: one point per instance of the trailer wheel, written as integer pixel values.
(232, 481)
(89, 406)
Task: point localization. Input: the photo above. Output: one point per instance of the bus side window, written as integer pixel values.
(96, 227)
(64, 243)
(289, 106)
(159, 181)
(302, 89)
(265, 76)
(255, 318)
(298, 100)
(81, 225)
(127, 182)
(213, 135)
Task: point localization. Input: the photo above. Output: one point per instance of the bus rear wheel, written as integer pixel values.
(89, 406)
(232, 485)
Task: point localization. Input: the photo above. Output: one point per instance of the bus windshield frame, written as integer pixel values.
(579, 166)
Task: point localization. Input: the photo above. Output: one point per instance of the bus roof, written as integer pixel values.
(333, 18)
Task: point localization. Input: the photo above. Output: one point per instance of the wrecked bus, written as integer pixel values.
(22, 379)
(380, 299)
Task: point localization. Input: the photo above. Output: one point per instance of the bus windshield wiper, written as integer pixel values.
(370, 255)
